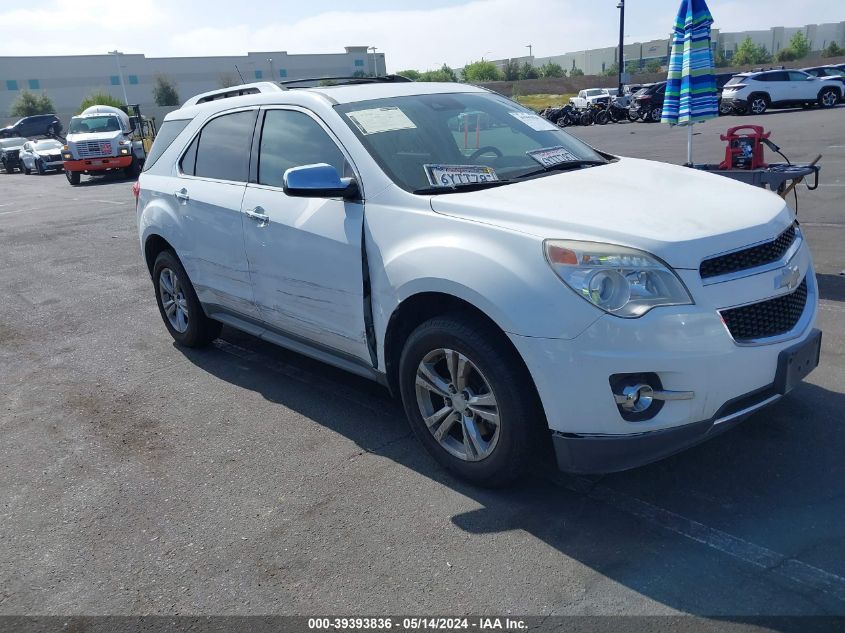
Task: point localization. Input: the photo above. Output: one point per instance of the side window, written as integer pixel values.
(167, 133)
(779, 76)
(292, 139)
(189, 160)
(224, 144)
(793, 76)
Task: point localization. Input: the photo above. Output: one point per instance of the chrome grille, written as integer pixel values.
(748, 258)
(768, 318)
(94, 149)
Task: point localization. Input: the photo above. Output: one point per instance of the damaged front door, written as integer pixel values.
(304, 253)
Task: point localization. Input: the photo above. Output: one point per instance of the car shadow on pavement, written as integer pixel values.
(777, 481)
(831, 287)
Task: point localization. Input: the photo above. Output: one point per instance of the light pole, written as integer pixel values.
(375, 62)
(530, 50)
(621, 7)
(272, 72)
(117, 55)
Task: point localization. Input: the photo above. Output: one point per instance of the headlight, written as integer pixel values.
(622, 281)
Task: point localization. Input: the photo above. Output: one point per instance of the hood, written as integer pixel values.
(682, 215)
(49, 152)
(94, 136)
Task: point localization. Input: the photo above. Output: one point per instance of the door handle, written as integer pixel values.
(257, 214)
(182, 195)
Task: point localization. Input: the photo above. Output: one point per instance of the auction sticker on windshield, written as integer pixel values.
(551, 156)
(376, 120)
(452, 175)
(534, 121)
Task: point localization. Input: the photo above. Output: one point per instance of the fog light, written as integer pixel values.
(635, 398)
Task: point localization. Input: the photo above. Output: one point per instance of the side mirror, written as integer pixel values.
(318, 181)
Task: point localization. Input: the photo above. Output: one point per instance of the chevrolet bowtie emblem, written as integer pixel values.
(790, 277)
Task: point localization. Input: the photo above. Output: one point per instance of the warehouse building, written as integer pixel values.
(639, 54)
(68, 80)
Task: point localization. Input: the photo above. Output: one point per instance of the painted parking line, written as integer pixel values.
(735, 547)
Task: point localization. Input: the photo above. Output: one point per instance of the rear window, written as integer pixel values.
(736, 80)
(167, 133)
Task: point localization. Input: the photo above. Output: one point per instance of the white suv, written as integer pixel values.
(498, 279)
(754, 93)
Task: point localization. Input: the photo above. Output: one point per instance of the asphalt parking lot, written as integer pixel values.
(140, 478)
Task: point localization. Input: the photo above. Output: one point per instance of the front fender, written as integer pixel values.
(501, 272)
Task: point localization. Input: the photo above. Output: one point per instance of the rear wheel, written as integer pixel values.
(828, 98)
(73, 177)
(178, 304)
(470, 400)
(133, 170)
(654, 115)
(602, 117)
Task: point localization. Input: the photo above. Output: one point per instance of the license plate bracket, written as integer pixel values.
(795, 363)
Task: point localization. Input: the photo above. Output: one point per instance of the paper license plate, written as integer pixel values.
(451, 175)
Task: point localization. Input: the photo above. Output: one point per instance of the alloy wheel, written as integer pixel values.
(758, 106)
(457, 405)
(829, 99)
(173, 300)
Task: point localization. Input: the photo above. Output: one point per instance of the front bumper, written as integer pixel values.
(607, 454)
(98, 164)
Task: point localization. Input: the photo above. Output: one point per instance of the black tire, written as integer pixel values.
(8, 167)
(655, 114)
(725, 108)
(757, 104)
(26, 170)
(521, 421)
(602, 117)
(586, 118)
(828, 98)
(133, 171)
(633, 116)
(200, 330)
(51, 130)
(73, 177)
(39, 167)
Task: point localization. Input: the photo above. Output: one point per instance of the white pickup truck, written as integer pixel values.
(589, 97)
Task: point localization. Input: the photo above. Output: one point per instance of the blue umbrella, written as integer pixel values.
(691, 85)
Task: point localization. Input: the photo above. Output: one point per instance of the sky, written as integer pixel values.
(412, 34)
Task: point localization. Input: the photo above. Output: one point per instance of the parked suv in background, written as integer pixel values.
(38, 125)
(754, 93)
(41, 156)
(518, 290)
(647, 104)
(827, 73)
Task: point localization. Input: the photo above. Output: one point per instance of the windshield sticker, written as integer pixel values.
(376, 120)
(551, 156)
(534, 121)
(453, 175)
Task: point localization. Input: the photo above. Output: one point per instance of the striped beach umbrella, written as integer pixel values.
(691, 85)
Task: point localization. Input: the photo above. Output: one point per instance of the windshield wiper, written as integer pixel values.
(565, 166)
(464, 186)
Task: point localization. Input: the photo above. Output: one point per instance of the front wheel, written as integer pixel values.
(602, 117)
(470, 400)
(758, 105)
(828, 98)
(725, 108)
(8, 167)
(73, 177)
(26, 170)
(178, 304)
(633, 115)
(39, 166)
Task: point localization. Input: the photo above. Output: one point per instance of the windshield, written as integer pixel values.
(449, 139)
(594, 93)
(105, 123)
(47, 144)
(12, 142)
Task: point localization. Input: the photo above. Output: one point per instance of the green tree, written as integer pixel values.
(511, 70)
(99, 98)
(800, 45)
(164, 92)
(611, 71)
(576, 72)
(527, 71)
(413, 75)
(719, 59)
(552, 70)
(833, 50)
(653, 66)
(29, 103)
(444, 73)
(750, 53)
(227, 80)
(481, 71)
(786, 55)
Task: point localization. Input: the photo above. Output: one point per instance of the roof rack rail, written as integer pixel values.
(233, 91)
(343, 81)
